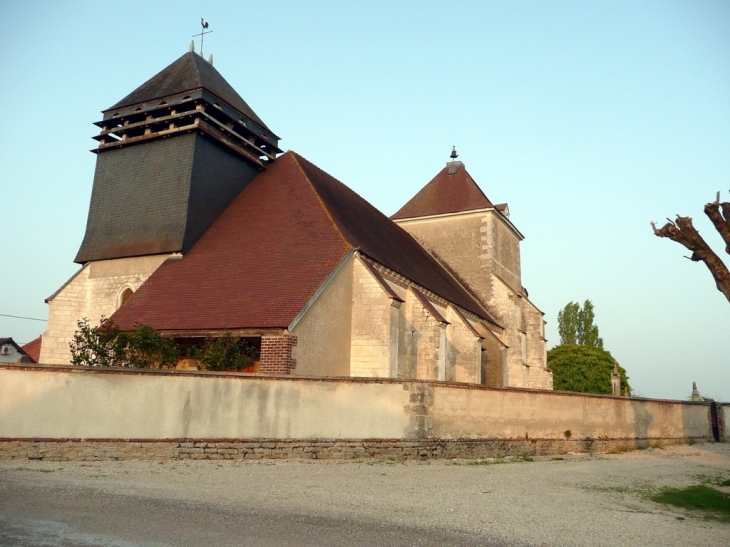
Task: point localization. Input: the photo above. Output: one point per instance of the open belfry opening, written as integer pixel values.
(200, 226)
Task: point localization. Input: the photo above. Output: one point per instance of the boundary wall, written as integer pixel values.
(68, 413)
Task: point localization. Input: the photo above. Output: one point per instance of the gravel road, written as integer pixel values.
(579, 500)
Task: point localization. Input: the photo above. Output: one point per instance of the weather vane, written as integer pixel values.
(202, 34)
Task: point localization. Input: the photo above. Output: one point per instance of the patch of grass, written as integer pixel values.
(700, 497)
(525, 458)
(726, 482)
(38, 470)
(485, 462)
(691, 442)
(559, 458)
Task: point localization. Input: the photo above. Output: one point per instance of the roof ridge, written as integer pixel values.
(296, 157)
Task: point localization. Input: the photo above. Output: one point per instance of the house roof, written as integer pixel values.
(266, 255)
(33, 349)
(18, 348)
(187, 73)
(451, 191)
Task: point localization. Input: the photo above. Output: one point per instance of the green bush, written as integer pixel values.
(583, 369)
(224, 353)
(107, 346)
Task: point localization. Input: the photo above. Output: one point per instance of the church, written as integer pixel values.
(200, 225)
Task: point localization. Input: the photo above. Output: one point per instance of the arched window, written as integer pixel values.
(126, 295)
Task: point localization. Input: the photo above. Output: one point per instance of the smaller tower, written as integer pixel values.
(476, 241)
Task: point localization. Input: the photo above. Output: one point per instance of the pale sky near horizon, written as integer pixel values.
(589, 118)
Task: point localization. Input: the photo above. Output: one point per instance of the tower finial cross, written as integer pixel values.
(203, 24)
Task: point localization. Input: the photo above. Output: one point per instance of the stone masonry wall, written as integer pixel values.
(419, 348)
(370, 338)
(463, 354)
(536, 352)
(94, 291)
(508, 310)
(308, 449)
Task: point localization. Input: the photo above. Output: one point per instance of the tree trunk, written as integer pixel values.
(683, 232)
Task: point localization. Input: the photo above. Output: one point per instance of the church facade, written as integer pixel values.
(199, 225)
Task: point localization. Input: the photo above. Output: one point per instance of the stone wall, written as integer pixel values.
(323, 330)
(464, 350)
(71, 413)
(421, 339)
(301, 449)
(93, 291)
(371, 318)
(481, 248)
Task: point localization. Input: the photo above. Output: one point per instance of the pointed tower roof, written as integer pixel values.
(190, 72)
(451, 191)
(260, 263)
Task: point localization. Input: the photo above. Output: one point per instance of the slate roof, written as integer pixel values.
(189, 72)
(266, 255)
(446, 193)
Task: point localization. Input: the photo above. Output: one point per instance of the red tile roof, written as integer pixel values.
(33, 349)
(266, 255)
(451, 191)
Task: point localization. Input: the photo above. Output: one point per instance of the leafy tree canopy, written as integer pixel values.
(575, 325)
(584, 369)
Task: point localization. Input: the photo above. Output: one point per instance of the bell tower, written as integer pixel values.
(172, 155)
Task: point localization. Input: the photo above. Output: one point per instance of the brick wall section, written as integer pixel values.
(330, 449)
(276, 354)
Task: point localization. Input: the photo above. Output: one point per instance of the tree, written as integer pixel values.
(683, 232)
(107, 346)
(575, 325)
(224, 353)
(584, 369)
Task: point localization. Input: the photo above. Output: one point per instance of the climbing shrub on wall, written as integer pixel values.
(107, 346)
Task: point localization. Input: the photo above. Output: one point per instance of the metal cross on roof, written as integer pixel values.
(203, 24)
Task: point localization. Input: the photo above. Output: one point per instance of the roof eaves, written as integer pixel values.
(47, 300)
(426, 304)
(464, 320)
(379, 278)
(320, 290)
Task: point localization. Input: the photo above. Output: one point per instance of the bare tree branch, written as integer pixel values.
(683, 232)
(719, 215)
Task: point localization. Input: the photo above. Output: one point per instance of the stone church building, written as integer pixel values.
(199, 225)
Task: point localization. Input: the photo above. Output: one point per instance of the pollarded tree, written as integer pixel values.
(575, 325)
(584, 369)
(683, 232)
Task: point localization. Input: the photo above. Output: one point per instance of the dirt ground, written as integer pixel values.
(575, 500)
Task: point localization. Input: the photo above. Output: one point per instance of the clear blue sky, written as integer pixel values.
(589, 118)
